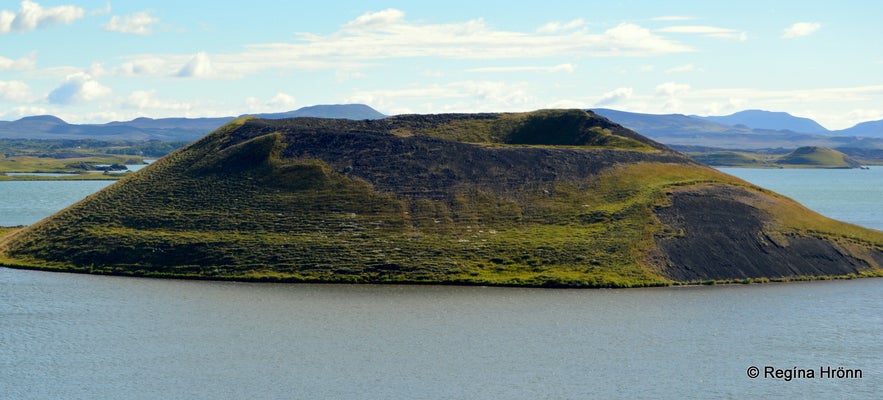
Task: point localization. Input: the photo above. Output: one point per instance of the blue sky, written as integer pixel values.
(99, 61)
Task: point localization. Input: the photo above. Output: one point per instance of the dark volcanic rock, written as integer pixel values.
(724, 238)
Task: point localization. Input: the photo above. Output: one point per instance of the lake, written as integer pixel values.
(69, 336)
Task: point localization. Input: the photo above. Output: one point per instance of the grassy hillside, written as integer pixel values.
(551, 198)
(804, 157)
(818, 157)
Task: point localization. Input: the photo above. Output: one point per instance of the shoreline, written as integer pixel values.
(464, 283)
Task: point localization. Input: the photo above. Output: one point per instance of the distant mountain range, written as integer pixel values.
(745, 130)
(163, 129)
(759, 119)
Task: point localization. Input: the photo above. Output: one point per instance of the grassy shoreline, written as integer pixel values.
(477, 283)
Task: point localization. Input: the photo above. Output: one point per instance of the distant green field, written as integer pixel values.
(80, 158)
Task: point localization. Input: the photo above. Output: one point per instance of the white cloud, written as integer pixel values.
(672, 89)
(463, 96)
(139, 23)
(31, 16)
(387, 34)
(24, 111)
(707, 31)
(801, 29)
(614, 96)
(146, 100)
(281, 102)
(555, 68)
(77, 88)
(145, 66)
(26, 63)
(199, 67)
(684, 68)
(555, 27)
(375, 21)
(673, 94)
(15, 91)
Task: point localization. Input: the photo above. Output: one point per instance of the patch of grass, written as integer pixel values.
(60, 165)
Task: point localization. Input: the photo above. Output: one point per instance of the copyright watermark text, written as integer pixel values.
(797, 373)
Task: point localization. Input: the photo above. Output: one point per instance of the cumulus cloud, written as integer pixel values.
(200, 66)
(279, 102)
(147, 100)
(672, 89)
(31, 16)
(673, 93)
(375, 21)
(282, 100)
(78, 88)
(801, 29)
(388, 34)
(25, 63)
(614, 96)
(139, 23)
(145, 66)
(555, 27)
(16, 91)
(23, 111)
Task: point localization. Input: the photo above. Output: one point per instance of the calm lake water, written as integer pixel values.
(26, 202)
(850, 195)
(68, 336)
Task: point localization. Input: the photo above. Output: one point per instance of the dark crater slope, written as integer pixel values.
(725, 237)
(553, 198)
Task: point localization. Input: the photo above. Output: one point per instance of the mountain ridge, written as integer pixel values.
(164, 129)
(771, 120)
(553, 198)
(682, 130)
(673, 129)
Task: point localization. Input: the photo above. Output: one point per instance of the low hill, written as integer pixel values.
(560, 198)
(347, 111)
(803, 157)
(818, 157)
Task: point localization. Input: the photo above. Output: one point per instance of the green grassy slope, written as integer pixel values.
(552, 198)
(818, 157)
